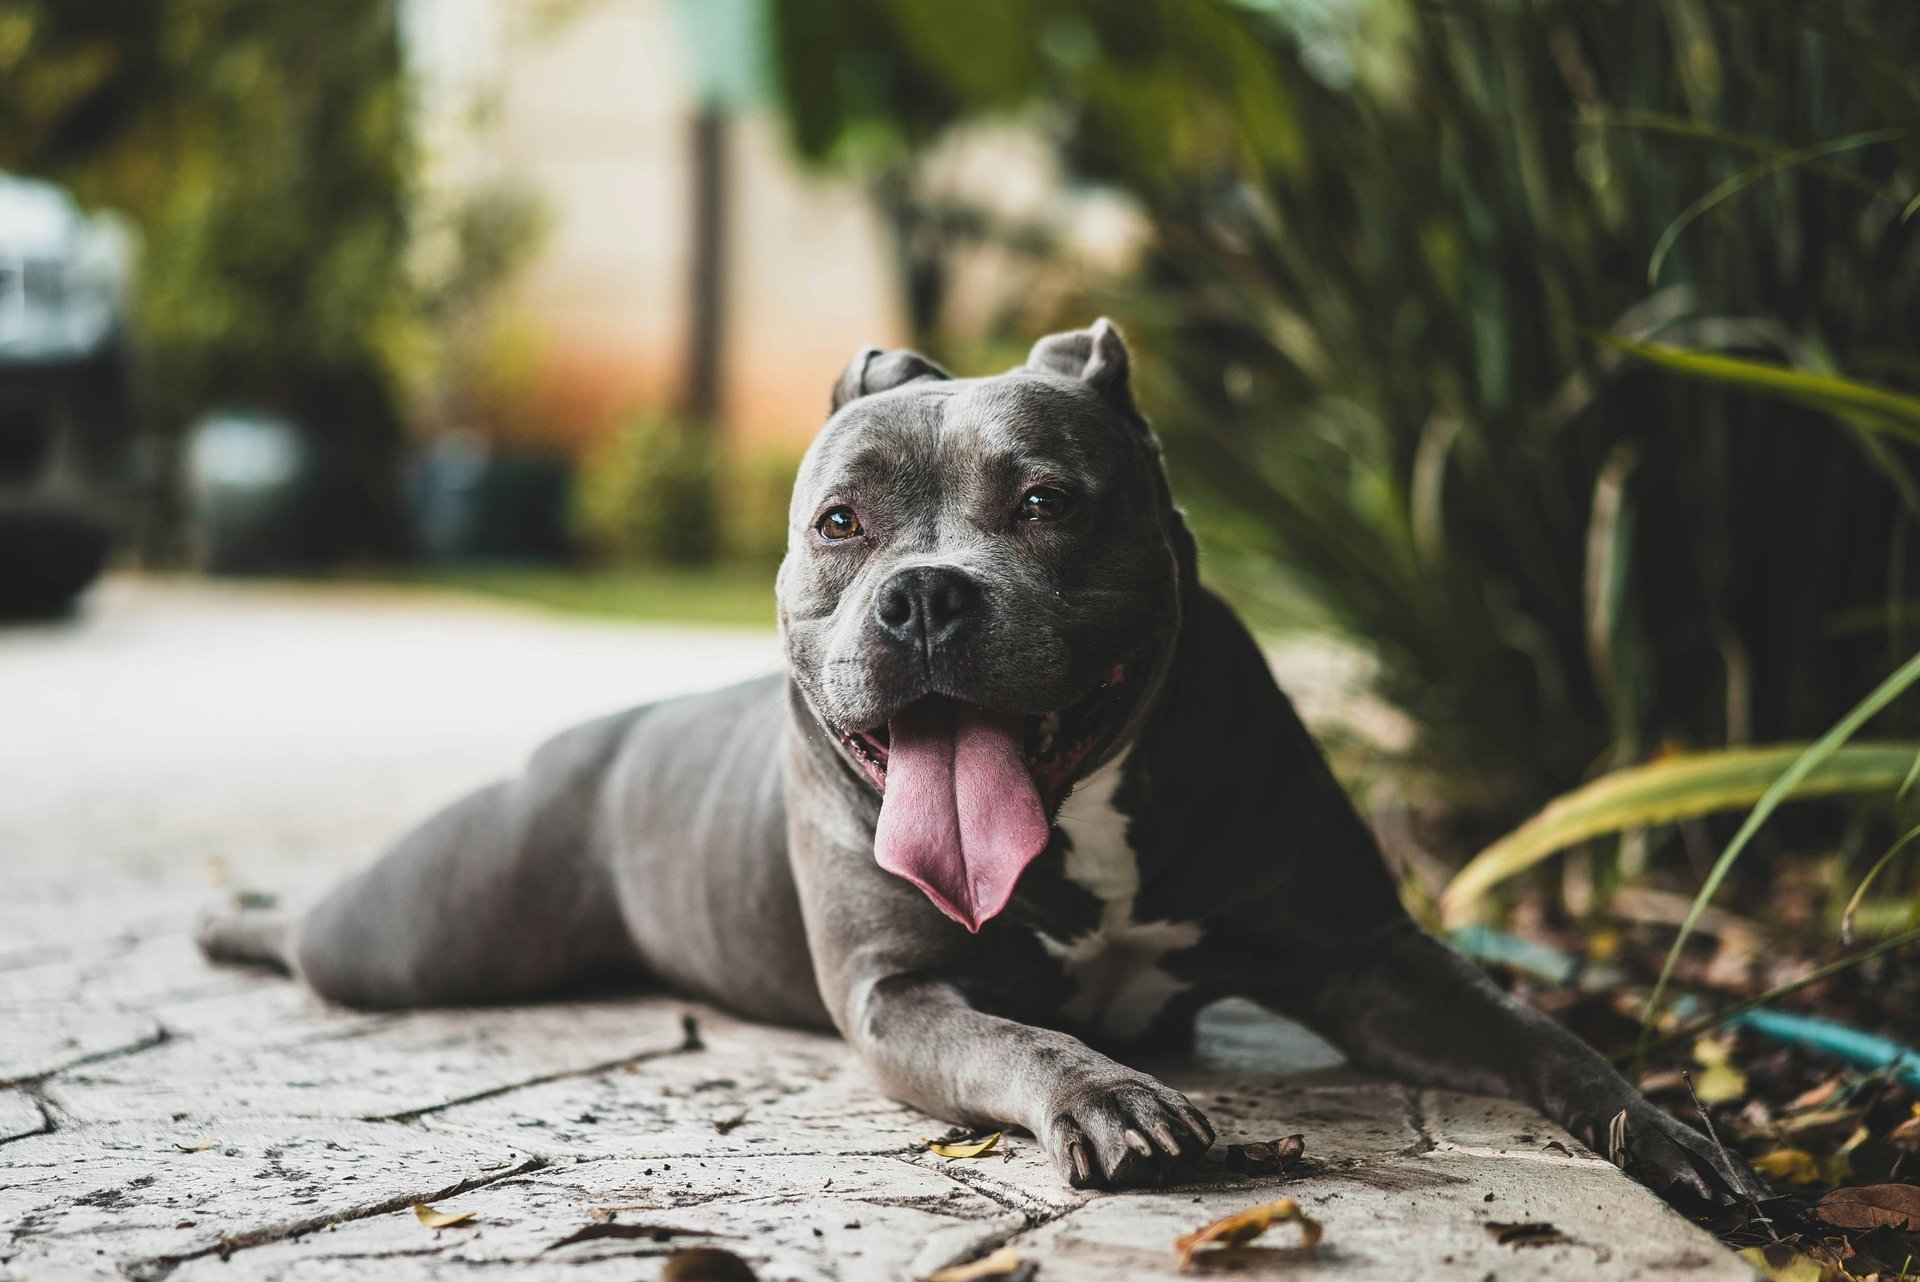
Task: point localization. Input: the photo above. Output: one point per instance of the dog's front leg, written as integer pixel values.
(896, 977)
(1103, 1124)
(1409, 1006)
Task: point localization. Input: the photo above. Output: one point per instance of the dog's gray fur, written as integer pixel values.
(723, 845)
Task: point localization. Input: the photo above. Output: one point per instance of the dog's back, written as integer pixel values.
(651, 841)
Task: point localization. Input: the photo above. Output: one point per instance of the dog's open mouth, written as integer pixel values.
(1054, 745)
(965, 789)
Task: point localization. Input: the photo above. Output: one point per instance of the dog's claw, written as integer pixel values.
(1082, 1169)
(1122, 1129)
(1676, 1161)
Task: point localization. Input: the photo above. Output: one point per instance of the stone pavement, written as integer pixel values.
(160, 1118)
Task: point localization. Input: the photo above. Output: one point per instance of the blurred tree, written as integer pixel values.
(263, 149)
(1385, 232)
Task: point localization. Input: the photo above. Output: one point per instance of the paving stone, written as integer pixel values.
(340, 1064)
(122, 1052)
(791, 1217)
(147, 1193)
(45, 1037)
(749, 1090)
(1408, 1217)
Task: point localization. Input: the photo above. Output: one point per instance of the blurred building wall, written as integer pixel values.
(588, 107)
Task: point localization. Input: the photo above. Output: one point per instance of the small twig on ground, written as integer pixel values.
(1726, 1158)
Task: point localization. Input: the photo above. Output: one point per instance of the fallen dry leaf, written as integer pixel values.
(1819, 1120)
(1815, 1096)
(1246, 1225)
(1266, 1158)
(1872, 1206)
(438, 1219)
(1004, 1263)
(1517, 1235)
(1793, 1165)
(1666, 1079)
(1906, 1136)
(707, 1264)
(1718, 1081)
(963, 1148)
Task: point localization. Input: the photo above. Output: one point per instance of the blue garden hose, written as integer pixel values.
(1851, 1046)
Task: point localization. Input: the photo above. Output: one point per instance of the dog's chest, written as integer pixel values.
(1119, 984)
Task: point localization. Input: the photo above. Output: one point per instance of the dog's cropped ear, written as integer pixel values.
(876, 370)
(1096, 356)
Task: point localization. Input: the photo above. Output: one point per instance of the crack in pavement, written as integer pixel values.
(26, 1081)
(1033, 1209)
(1034, 1213)
(156, 1268)
(494, 1092)
(47, 1123)
(1417, 1123)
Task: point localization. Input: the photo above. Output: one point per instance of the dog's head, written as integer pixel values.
(980, 594)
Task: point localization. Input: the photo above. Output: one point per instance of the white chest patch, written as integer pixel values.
(1120, 985)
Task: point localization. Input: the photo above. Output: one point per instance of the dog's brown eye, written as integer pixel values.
(1043, 503)
(838, 523)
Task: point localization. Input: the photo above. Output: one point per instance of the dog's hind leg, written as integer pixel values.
(248, 936)
(504, 894)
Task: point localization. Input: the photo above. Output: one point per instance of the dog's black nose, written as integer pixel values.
(925, 606)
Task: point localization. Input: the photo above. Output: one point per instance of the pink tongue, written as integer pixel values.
(960, 817)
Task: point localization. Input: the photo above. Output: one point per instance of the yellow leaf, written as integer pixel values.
(1819, 1120)
(1839, 1168)
(1246, 1225)
(1794, 1165)
(966, 1148)
(435, 1219)
(1719, 1081)
(1002, 1263)
(1797, 1269)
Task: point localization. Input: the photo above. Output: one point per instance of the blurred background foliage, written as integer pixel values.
(1384, 238)
(265, 152)
(663, 491)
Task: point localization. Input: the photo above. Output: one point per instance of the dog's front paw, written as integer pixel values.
(1116, 1130)
(1674, 1160)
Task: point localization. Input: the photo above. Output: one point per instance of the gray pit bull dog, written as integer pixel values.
(1026, 788)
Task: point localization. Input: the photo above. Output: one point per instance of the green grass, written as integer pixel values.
(725, 595)
(733, 595)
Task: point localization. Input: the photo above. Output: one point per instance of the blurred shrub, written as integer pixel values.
(266, 151)
(1384, 235)
(647, 494)
(754, 488)
(659, 492)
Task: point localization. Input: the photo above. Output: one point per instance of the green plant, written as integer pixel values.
(1686, 786)
(1383, 234)
(647, 493)
(752, 492)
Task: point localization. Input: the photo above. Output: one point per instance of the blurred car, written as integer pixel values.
(69, 466)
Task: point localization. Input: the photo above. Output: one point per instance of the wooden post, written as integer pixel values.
(706, 294)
